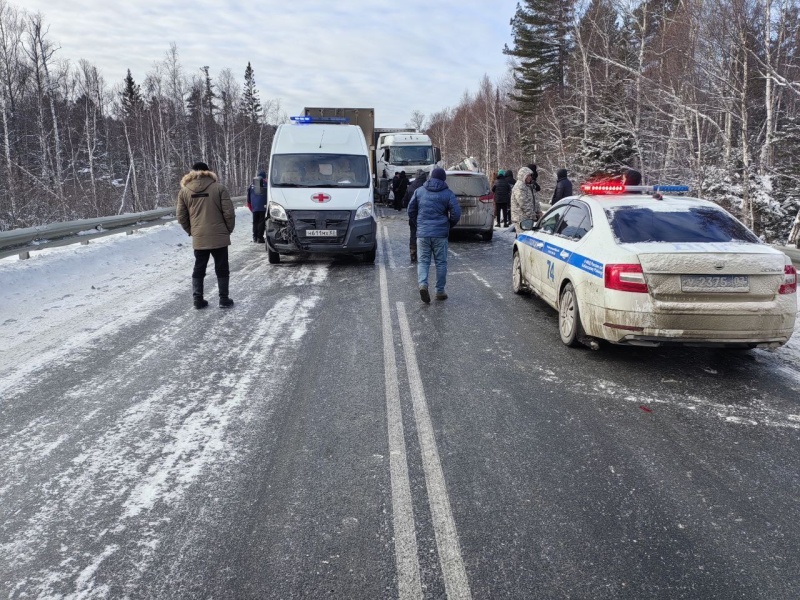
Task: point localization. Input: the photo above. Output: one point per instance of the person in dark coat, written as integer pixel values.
(418, 182)
(510, 176)
(563, 186)
(435, 208)
(632, 177)
(400, 190)
(206, 213)
(257, 203)
(502, 197)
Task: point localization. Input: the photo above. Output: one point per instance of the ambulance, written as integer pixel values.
(320, 191)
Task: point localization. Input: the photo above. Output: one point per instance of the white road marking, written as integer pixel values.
(455, 575)
(454, 253)
(405, 536)
(389, 253)
(487, 284)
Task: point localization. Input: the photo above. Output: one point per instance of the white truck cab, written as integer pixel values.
(404, 151)
(320, 190)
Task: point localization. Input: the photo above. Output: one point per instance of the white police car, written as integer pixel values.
(628, 265)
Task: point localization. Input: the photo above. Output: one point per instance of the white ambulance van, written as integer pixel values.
(320, 191)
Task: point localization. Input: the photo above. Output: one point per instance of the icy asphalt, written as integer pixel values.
(331, 436)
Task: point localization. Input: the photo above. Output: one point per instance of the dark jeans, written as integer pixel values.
(503, 208)
(412, 242)
(259, 224)
(220, 262)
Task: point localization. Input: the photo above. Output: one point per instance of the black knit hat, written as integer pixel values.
(200, 166)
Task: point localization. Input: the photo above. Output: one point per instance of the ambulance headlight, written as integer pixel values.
(277, 212)
(365, 211)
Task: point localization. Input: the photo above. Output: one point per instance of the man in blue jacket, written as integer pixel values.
(257, 203)
(435, 209)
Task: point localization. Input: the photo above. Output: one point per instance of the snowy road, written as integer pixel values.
(333, 437)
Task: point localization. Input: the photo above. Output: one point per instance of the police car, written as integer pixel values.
(642, 266)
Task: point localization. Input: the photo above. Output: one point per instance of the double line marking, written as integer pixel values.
(406, 551)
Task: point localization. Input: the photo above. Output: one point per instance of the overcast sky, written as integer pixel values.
(393, 56)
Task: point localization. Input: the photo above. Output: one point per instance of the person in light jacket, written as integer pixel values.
(205, 212)
(523, 203)
(435, 209)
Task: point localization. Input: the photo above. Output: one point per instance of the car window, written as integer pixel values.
(575, 223)
(632, 224)
(550, 220)
(468, 185)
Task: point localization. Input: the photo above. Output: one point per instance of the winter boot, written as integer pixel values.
(224, 300)
(424, 295)
(197, 293)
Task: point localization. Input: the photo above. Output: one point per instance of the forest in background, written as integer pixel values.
(75, 146)
(702, 92)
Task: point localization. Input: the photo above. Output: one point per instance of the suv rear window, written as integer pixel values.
(632, 224)
(468, 185)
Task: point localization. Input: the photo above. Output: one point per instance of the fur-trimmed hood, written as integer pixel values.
(197, 176)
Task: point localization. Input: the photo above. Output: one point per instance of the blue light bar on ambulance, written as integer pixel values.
(326, 120)
(615, 187)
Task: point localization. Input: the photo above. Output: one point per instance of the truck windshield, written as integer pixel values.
(411, 155)
(632, 224)
(320, 170)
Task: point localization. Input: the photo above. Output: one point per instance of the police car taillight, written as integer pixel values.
(789, 280)
(625, 278)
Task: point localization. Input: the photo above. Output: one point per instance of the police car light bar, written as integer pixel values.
(621, 188)
(603, 188)
(327, 120)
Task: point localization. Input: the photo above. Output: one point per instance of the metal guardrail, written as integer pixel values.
(59, 234)
(21, 237)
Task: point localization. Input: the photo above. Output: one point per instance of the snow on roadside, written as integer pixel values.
(62, 298)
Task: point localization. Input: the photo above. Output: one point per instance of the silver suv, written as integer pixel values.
(476, 201)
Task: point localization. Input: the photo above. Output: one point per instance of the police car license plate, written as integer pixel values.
(715, 283)
(321, 232)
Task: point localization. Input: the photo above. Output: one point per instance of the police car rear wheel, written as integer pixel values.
(569, 318)
(517, 283)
